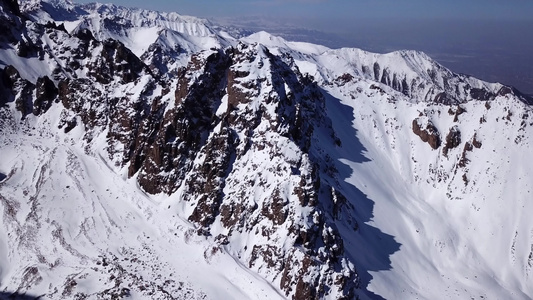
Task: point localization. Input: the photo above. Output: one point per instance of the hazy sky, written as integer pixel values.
(328, 9)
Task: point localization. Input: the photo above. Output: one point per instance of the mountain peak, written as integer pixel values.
(137, 142)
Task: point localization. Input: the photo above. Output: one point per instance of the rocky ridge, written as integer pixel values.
(242, 134)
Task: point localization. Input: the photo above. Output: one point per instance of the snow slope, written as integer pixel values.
(463, 231)
(163, 159)
(84, 228)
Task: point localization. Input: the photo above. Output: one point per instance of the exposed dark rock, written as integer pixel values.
(365, 69)
(24, 103)
(405, 87)
(53, 25)
(465, 179)
(505, 90)
(236, 95)
(395, 83)
(158, 59)
(85, 35)
(509, 90)
(377, 71)
(15, 88)
(182, 87)
(234, 214)
(293, 279)
(74, 94)
(116, 60)
(185, 128)
(6, 86)
(476, 142)
(207, 186)
(11, 5)
(8, 27)
(45, 94)
(400, 85)
(377, 88)
(456, 112)
(444, 98)
(469, 146)
(306, 190)
(342, 209)
(429, 134)
(385, 77)
(481, 94)
(276, 211)
(453, 140)
(68, 125)
(343, 79)
(509, 115)
(464, 160)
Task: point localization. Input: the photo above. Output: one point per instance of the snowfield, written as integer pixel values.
(85, 222)
(173, 161)
(457, 240)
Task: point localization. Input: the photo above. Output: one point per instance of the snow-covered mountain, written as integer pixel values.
(150, 155)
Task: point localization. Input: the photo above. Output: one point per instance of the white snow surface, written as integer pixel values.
(433, 230)
(457, 241)
(81, 211)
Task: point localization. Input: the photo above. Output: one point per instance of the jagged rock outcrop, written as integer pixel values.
(46, 92)
(427, 132)
(456, 111)
(281, 107)
(469, 147)
(10, 23)
(11, 5)
(235, 141)
(417, 76)
(116, 60)
(453, 140)
(18, 90)
(220, 120)
(165, 158)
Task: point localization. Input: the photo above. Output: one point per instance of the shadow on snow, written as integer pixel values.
(16, 296)
(368, 248)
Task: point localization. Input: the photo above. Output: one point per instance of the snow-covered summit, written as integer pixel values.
(145, 18)
(410, 72)
(136, 28)
(51, 10)
(154, 156)
(273, 42)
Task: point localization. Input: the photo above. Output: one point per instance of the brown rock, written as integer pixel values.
(453, 139)
(429, 134)
(45, 94)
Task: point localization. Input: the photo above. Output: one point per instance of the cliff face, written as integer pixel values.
(257, 150)
(234, 136)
